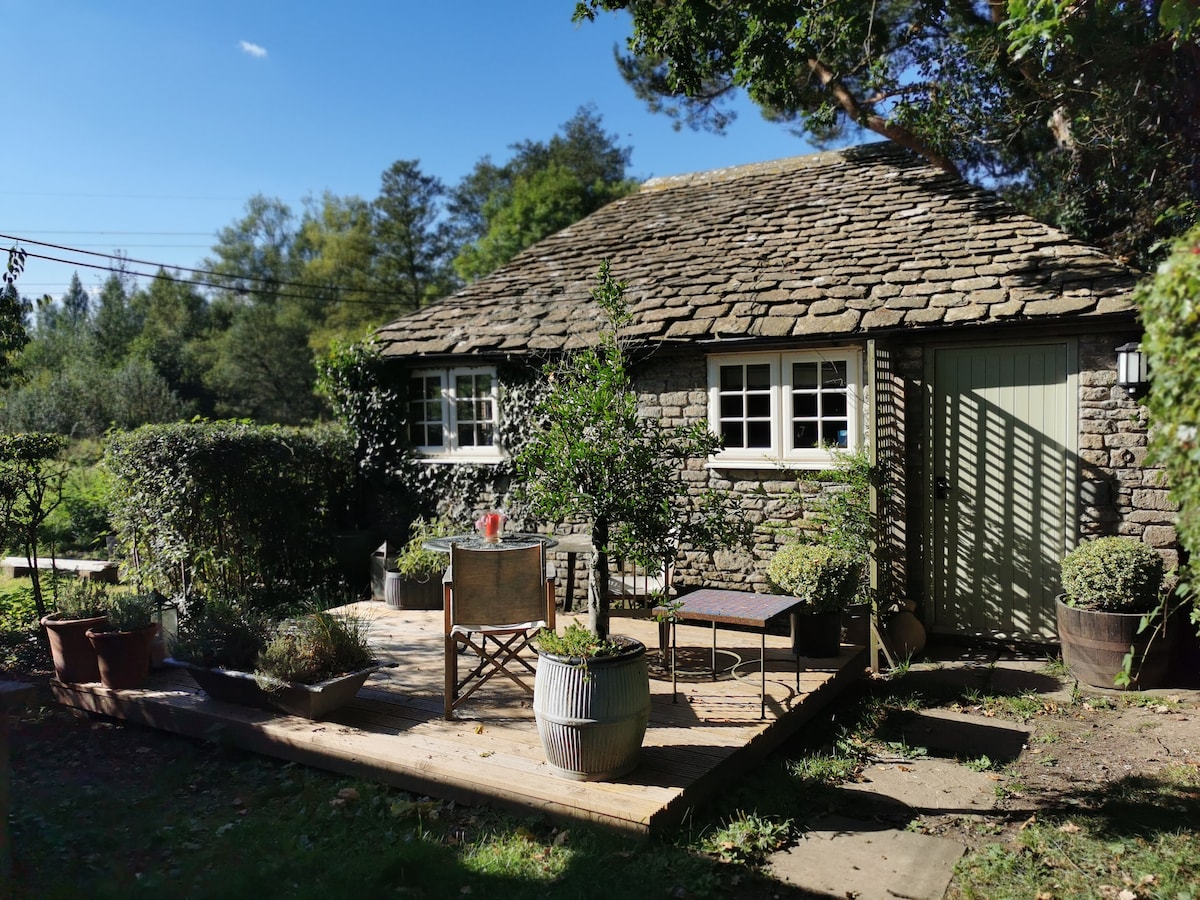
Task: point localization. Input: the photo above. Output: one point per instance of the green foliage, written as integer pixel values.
(129, 612)
(314, 648)
(230, 508)
(413, 560)
(1115, 574)
(592, 456)
(220, 633)
(30, 488)
(82, 598)
(360, 387)
(577, 642)
(545, 187)
(826, 578)
(1170, 310)
(747, 838)
(79, 524)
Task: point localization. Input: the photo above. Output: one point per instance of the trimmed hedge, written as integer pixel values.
(229, 508)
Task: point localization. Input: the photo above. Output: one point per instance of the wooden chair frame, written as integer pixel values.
(496, 601)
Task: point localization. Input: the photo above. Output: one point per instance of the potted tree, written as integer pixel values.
(81, 605)
(306, 666)
(593, 457)
(827, 579)
(1110, 600)
(122, 642)
(413, 580)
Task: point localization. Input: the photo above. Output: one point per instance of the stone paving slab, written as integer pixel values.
(962, 735)
(843, 857)
(928, 787)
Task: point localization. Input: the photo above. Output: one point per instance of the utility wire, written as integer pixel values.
(208, 272)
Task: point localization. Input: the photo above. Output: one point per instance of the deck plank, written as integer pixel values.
(394, 732)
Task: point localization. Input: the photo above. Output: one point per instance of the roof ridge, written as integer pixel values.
(772, 167)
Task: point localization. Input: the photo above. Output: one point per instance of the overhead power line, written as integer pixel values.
(221, 284)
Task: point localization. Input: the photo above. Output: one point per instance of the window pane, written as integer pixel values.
(758, 434)
(804, 406)
(835, 433)
(758, 377)
(833, 374)
(833, 405)
(758, 406)
(804, 435)
(731, 378)
(731, 406)
(804, 375)
(732, 434)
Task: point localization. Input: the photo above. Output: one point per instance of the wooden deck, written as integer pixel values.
(394, 731)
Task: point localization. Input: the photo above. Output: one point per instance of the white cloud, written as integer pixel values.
(252, 49)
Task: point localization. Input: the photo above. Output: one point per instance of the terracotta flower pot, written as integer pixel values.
(73, 654)
(123, 657)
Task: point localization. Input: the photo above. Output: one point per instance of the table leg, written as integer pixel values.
(674, 688)
(762, 666)
(569, 598)
(714, 651)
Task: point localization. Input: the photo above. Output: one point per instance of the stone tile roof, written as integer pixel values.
(841, 244)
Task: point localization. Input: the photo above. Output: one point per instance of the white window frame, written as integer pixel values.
(781, 453)
(450, 450)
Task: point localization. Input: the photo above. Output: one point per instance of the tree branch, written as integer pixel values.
(877, 123)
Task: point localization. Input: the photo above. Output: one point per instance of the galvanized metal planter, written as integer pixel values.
(592, 714)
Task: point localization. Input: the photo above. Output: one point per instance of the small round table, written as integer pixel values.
(508, 541)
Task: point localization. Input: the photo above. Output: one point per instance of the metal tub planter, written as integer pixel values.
(309, 701)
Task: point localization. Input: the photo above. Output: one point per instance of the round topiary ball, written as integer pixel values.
(825, 577)
(1113, 574)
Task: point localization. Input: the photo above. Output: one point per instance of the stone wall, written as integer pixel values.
(1118, 492)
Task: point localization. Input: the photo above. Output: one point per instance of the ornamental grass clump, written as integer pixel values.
(826, 578)
(314, 648)
(1112, 574)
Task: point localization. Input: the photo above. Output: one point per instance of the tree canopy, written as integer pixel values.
(1084, 113)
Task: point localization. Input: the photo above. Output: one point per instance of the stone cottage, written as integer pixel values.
(844, 300)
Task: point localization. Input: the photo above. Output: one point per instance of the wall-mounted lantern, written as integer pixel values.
(1133, 371)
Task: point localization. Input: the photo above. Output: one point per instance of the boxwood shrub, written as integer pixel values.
(1114, 574)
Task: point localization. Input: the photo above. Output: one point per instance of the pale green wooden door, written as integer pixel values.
(1002, 502)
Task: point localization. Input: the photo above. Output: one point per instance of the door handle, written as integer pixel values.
(941, 487)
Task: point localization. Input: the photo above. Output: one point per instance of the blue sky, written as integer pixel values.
(145, 125)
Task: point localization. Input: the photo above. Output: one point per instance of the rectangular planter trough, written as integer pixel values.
(310, 701)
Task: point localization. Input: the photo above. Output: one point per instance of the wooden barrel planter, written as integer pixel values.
(1094, 644)
(592, 714)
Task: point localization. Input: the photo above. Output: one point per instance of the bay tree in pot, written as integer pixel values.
(827, 580)
(1110, 615)
(593, 457)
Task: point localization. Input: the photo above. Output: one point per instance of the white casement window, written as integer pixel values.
(785, 409)
(453, 414)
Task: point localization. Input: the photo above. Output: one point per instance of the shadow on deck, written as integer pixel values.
(394, 732)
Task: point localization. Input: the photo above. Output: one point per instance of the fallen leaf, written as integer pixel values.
(561, 838)
(1069, 828)
(1030, 821)
(479, 729)
(348, 794)
(1126, 894)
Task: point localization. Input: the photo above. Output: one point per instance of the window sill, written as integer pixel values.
(772, 462)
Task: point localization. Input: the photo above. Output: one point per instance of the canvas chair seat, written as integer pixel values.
(496, 601)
